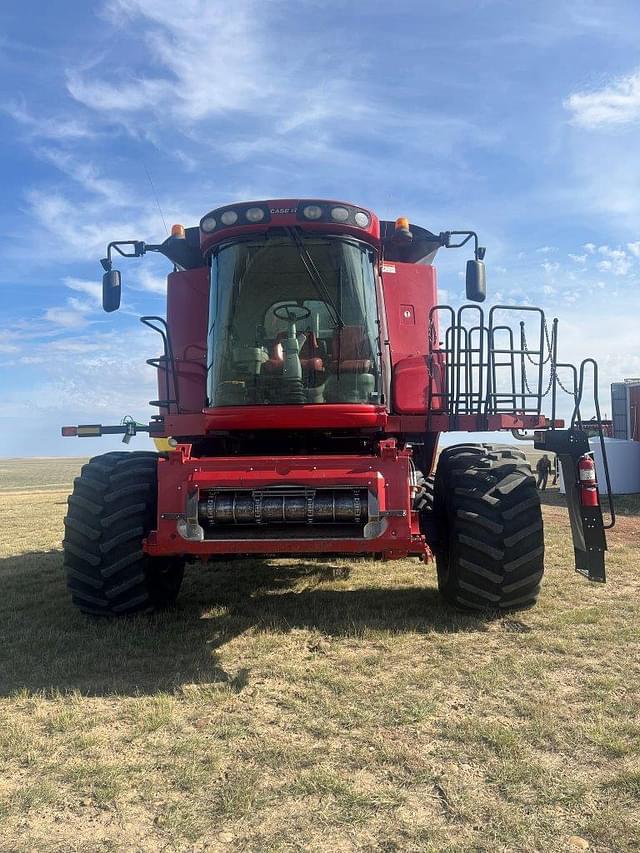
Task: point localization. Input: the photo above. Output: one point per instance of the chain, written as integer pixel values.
(573, 393)
(548, 358)
(553, 376)
(553, 371)
(525, 346)
(526, 383)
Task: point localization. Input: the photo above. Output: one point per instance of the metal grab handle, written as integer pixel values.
(575, 416)
(159, 325)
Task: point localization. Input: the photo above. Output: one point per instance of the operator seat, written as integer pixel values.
(350, 351)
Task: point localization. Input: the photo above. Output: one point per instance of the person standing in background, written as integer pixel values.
(543, 466)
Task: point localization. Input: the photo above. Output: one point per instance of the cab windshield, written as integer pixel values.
(293, 320)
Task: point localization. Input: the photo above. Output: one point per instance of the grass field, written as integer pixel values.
(291, 705)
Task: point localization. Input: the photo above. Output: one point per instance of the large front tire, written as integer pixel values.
(490, 547)
(111, 511)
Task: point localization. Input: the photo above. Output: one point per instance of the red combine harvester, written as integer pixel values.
(307, 372)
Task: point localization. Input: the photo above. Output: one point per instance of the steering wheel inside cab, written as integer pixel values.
(291, 312)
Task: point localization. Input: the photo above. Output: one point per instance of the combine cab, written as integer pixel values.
(306, 373)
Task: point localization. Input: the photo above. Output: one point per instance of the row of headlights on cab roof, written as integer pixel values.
(310, 211)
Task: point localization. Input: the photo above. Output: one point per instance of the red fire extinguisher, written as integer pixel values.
(587, 482)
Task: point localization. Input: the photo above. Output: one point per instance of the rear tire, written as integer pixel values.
(111, 511)
(490, 548)
(423, 504)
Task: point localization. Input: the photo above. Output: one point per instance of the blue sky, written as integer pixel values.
(519, 120)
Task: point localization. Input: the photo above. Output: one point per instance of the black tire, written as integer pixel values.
(423, 503)
(490, 548)
(111, 510)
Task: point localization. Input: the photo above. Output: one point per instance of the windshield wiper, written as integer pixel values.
(316, 277)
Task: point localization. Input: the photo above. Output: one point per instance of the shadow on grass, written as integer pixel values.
(47, 645)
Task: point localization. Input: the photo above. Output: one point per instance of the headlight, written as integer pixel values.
(255, 214)
(208, 224)
(361, 219)
(339, 214)
(312, 211)
(229, 217)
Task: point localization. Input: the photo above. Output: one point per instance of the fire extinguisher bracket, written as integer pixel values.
(583, 501)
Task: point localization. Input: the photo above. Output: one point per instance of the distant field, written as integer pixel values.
(39, 473)
(292, 705)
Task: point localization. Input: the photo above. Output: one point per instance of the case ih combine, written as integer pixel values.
(307, 372)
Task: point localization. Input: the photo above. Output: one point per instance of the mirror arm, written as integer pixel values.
(139, 248)
(111, 281)
(445, 240)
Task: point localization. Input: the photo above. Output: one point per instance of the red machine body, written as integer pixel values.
(405, 294)
(306, 374)
(391, 530)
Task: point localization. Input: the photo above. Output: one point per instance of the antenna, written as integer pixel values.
(155, 195)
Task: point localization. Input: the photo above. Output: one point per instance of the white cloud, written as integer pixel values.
(91, 288)
(545, 250)
(71, 380)
(634, 248)
(606, 181)
(89, 177)
(617, 261)
(578, 259)
(75, 312)
(605, 335)
(79, 228)
(616, 104)
(79, 305)
(589, 248)
(151, 283)
(550, 267)
(68, 318)
(78, 345)
(57, 128)
(76, 228)
(219, 61)
(208, 57)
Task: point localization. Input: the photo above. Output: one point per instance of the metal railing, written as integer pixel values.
(166, 362)
(480, 365)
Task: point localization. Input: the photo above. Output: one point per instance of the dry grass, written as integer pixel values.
(291, 705)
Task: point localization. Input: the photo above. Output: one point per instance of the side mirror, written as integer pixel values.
(111, 290)
(476, 281)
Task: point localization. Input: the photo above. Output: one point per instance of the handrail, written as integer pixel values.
(596, 401)
(163, 330)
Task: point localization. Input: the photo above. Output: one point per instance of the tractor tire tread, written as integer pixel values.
(423, 504)
(84, 503)
(107, 520)
(82, 528)
(491, 551)
(121, 515)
